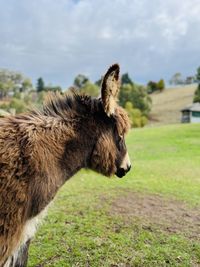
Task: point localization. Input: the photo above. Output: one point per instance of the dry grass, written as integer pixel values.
(167, 105)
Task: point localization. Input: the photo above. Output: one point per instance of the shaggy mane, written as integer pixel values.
(70, 104)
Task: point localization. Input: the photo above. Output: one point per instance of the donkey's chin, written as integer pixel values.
(120, 173)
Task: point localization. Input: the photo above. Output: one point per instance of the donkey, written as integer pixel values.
(41, 150)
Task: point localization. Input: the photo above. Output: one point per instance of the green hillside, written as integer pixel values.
(149, 218)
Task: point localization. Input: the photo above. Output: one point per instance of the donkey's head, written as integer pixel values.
(110, 154)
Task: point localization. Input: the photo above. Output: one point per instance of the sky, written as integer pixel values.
(59, 39)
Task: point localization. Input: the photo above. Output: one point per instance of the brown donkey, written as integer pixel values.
(41, 150)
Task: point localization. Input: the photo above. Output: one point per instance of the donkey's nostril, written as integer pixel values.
(120, 172)
(129, 167)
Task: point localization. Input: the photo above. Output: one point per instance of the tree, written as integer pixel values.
(4, 89)
(197, 91)
(90, 89)
(126, 79)
(98, 82)
(80, 80)
(161, 85)
(18, 105)
(40, 85)
(84, 85)
(197, 95)
(26, 85)
(13, 82)
(190, 79)
(198, 75)
(176, 79)
(155, 86)
(135, 115)
(151, 87)
(137, 95)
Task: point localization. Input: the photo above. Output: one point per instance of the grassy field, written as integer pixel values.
(166, 108)
(149, 218)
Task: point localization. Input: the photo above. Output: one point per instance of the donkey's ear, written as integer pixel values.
(110, 89)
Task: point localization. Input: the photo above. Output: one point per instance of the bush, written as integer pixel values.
(161, 85)
(136, 116)
(90, 89)
(137, 95)
(17, 104)
(196, 98)
(155, 86)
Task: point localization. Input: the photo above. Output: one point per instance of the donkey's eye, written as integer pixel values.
(120, 142)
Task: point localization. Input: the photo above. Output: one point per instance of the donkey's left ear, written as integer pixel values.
(110, 89)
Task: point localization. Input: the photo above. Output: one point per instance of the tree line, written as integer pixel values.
(178, 79)
(17, 92)
(133, 97)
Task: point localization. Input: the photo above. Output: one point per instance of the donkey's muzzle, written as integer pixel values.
(122, 172)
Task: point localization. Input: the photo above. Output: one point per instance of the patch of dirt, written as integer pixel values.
(169, 215)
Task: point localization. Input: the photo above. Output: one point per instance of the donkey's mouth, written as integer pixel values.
(120, 173)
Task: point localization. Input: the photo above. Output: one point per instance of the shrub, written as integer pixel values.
(137, 95)
(135, 115)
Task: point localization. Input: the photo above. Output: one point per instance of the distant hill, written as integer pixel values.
(167, 105)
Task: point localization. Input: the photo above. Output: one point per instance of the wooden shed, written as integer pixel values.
(191, 113)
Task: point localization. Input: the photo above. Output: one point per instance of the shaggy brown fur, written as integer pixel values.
(40, 150)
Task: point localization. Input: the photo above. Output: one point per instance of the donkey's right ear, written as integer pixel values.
(110, 89)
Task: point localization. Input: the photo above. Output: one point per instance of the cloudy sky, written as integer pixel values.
(60, 39)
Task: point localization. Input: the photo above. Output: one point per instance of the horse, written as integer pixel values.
(43, 148)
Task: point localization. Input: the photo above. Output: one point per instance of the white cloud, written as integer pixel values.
(58, 39)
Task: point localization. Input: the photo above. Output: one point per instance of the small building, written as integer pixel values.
(191, 113)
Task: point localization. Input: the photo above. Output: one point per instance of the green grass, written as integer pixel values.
(81, 231)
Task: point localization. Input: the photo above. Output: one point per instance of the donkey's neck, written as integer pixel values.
(57, 151)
